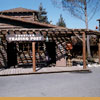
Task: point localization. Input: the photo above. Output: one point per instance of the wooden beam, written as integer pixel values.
(84, 52)
(78, 37)
(99, 50)
(99, 25)
(34, 59)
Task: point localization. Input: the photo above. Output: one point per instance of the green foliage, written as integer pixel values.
(42, 15)
(61, 22)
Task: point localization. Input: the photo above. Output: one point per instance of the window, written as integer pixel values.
(25, 47)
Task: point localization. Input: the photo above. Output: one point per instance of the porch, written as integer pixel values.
(44, 70)
(61, 37)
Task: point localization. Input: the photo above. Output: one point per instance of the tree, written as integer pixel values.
(61, 22)
(82, 9)
(42, 15)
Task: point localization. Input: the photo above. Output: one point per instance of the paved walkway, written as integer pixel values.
(19, 71)
(52, 85)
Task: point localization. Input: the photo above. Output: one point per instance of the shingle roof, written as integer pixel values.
(20, 9)
(25, 21)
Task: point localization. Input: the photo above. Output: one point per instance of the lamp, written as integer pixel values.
(47, 39)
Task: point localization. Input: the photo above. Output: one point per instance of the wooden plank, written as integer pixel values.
(99, 50)
(34, 58)
(84, 52)
(77, 35)
(99, 25)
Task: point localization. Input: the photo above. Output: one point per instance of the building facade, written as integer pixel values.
(52, 51)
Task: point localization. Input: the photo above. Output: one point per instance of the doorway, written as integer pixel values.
(11, 54)
(51, 51)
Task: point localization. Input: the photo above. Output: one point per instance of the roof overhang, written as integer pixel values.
(52, 31)
(18, 10)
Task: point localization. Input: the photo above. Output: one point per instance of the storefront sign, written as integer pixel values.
(22, 37)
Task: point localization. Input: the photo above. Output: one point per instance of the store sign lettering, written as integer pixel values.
(21, 37)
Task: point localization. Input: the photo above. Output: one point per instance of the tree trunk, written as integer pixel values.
(86, 23)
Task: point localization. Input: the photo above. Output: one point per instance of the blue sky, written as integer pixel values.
(53, 12)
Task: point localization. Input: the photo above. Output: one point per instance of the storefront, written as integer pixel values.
(49, 49)
(25, 42)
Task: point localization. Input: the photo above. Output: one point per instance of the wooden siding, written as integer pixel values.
(59, 36)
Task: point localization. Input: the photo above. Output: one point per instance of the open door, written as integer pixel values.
(51, 50)
(11, 54)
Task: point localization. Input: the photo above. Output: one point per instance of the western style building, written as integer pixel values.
(26, 41)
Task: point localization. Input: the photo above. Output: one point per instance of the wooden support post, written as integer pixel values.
(99, 25)
(84, 52)
(99, 50)
(34, 59)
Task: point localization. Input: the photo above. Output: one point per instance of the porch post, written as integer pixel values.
(99, 25)
(34, 59)
(84, 52)
(99, 44)
(99, 50)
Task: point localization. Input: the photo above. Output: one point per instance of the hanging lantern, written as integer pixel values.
(96, 27)
(69, 46)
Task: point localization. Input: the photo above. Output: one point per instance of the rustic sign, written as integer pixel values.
(24, 37)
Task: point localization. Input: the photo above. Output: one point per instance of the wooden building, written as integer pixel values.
(52, 50)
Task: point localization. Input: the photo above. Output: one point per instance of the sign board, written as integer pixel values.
(24, 37)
